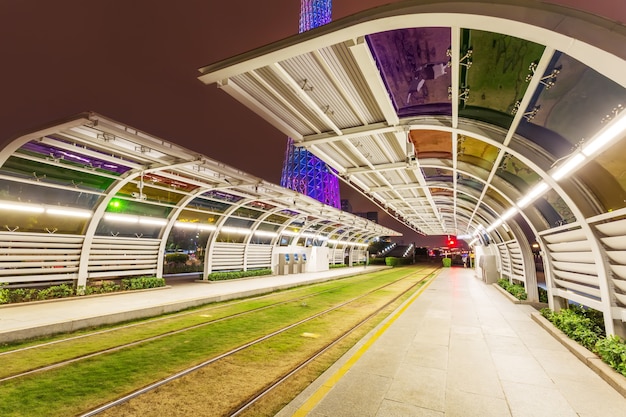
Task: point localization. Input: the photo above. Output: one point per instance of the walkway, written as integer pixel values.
(461, 349)
(20, 321)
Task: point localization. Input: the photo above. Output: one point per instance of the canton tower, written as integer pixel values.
(302, 171)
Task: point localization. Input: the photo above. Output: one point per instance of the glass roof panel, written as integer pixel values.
(476, 152)
(413, 65)
(614, 163)
(47, 173)
(493, 69)
(431, 143)
(558, 212)
(36, 193)
(570, 105)
(606, 178)
(193, 216)
(517, 173)
(74, 157)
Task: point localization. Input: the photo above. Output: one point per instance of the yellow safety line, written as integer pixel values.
(321, 392)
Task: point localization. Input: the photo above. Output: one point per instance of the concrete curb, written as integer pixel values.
(156, 310)
(507, 294)
(593, 361)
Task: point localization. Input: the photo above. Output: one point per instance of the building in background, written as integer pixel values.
(369, 215)
(302, 171)
(346, 206)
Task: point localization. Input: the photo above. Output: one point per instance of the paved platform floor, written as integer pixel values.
(460, 349)
(21, 321)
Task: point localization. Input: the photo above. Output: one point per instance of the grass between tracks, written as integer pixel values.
(75, 388)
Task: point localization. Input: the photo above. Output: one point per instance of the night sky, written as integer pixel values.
(136, 62)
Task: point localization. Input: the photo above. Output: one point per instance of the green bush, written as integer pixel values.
(56, 291)
(140, 283)
(332, 266)
(377, 261)
(543, 295)
(447, 262)
(612, 350)
(222, 276)
(4, 294)
(516, 290)
(586, 326)
(393, 261)
(575, 323)
(176, 258)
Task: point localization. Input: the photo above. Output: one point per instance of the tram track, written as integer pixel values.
(121, 369)
(250, 401)
(138, 342)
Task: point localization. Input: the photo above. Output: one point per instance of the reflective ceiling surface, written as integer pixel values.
(447, 116)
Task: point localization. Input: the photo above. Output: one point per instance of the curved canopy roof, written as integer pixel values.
(452, 116)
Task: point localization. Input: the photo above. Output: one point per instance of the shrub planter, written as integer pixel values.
(507, 294)
(593, 361)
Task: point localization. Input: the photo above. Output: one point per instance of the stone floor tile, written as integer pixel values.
(465, 404)
(394, 409)
(418, 386)
(536, 401)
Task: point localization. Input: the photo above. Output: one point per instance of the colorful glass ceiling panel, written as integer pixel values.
(570, 105)
(605, 178)
(414, 66)
(517, 173)
(76, 158)
(431, 143)
(476, 152)
(42, 172)
(493, 69)
(614, 163)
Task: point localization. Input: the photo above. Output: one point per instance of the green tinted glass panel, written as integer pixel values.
(518, 174)
(495, 74)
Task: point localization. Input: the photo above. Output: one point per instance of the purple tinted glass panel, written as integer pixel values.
(414, 66)
(73, 157)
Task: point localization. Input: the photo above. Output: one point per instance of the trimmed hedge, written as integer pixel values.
(222, 276)
(23, 295)
(141, 283)
(393, 261)
(447, 262)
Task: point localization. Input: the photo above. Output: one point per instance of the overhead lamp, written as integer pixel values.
(235, 230)
(207, 227)
(152, 221)
(30, 208)
(569, 166)
(195, 226)
(494, 225)
(121, 218)
(186, 225)
(68, 212)
(508, 214)
(265, 233)
(532, 194)
(611, 132)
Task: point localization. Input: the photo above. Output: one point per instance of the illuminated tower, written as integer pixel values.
(302, 171)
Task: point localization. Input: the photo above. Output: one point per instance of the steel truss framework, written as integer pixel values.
(501, 125)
